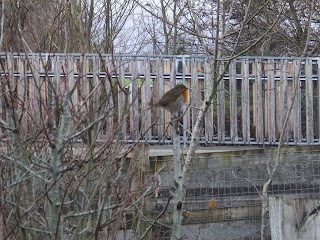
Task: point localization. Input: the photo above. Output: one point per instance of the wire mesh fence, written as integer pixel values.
(223, 198)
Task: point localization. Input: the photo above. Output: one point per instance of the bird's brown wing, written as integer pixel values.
(170, 96)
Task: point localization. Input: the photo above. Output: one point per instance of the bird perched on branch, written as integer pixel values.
(174, 99)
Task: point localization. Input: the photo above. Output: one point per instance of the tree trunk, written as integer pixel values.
(59, 134)
(178, 193)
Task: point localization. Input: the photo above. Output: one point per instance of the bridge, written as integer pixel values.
(250, 106)
(107, 103)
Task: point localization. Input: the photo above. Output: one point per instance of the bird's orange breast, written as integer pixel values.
(185, 95)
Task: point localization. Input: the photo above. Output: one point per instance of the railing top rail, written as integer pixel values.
(118, 55)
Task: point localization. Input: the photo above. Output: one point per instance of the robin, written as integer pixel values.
(174, 99)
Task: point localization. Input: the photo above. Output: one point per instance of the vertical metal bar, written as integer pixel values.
(145, 98)
(173, 82)
(122, 98)
(309, 101)
(207, 87)
(271, 102)
(297, 101)
(245, 101)
(221, 107)
(160, 111)
(233, 101)
(259, 103)
(134, 112)
(184, 108)
(284, 103)
(195, 100)
(318, 84)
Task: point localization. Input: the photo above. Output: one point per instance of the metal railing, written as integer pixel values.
(249, 108)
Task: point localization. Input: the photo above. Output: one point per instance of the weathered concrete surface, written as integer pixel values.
(294, 218)
(234, 178)
(230, 230)
(166, 150)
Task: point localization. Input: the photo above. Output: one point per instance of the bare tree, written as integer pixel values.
(63, 26)
(61, 181)
(219, 65)
(277, 162)
(289, 35)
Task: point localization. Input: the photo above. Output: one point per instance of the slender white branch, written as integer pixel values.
(80, 214)
(2, 24)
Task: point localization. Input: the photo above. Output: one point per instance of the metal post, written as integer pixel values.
(318, 84)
